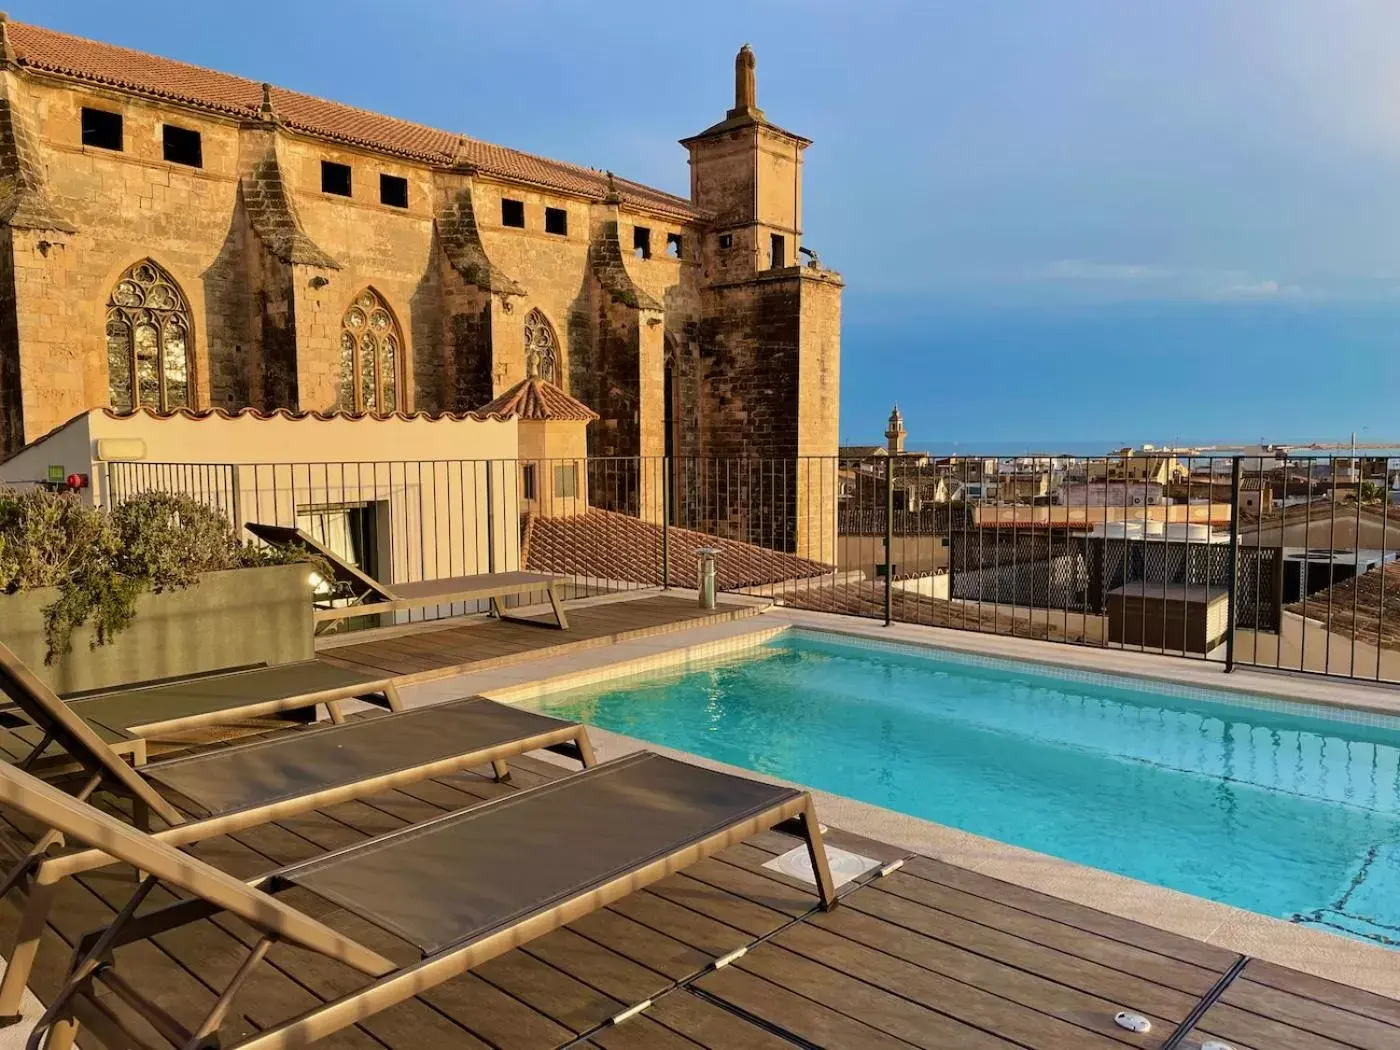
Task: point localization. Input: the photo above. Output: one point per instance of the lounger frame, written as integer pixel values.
(371, 597)
(215, 892)
(39, 873)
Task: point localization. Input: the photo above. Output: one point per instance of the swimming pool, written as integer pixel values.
(1260, 804)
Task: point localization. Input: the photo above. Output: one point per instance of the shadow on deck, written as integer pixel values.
(927, 956)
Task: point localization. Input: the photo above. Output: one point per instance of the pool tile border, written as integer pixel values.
(677, 659)
(1124, 680)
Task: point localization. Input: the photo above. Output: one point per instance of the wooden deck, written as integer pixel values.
(928, 956)
(435, 651)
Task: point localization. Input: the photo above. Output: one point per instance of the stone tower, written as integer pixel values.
(773, 328)
(895, 433)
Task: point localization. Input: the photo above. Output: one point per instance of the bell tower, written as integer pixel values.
(770, 341)
(895, 433)
(748, 171)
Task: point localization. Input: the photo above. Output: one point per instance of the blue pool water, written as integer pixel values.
(1282, 812)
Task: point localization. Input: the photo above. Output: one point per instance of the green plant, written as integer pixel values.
(101, 562)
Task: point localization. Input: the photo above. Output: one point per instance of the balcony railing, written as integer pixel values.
(1281, 563)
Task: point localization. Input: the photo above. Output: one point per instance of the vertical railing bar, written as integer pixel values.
(889, 539)
(1385, 566)
(1234, 565)
(1356, 561)
(1331, 564)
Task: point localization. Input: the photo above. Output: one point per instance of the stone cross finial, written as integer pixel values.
(268, 113)
(745, 83)
(7, 49)
(461, 158)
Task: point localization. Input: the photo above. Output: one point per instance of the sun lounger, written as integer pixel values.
(369, 596)
(459, 890)
(244, 786)
(128, 717)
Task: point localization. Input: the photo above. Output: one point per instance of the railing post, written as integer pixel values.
(666, 468)
(491, 518)
(1234, 566)
(889, 541)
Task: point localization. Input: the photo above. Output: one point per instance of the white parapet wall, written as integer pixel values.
(442, 492)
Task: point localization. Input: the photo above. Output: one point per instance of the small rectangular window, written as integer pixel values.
(726, 241)
(335, 178)
(393, 191)
(566, 480)
(641, 242)
(102, 129)
(556, 220)
(527, 481)
(675, 246)
(512, 213)
(779, 243)
(182, 146)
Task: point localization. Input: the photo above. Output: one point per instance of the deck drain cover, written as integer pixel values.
(845, 865)
(1132, 1022)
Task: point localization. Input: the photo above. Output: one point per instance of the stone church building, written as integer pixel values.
(174, 237)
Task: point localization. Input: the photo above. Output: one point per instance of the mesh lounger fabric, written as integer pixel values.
(295, 764)
(460, 877)
(215, 693)
(517, 582)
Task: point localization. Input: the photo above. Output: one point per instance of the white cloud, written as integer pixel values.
(1085, 270)
(1256, 289)
(1113, 281)
(1260, 289)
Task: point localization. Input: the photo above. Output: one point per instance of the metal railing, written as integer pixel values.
(1247, 560)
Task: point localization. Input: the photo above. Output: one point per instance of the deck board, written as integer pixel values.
(437, 652)
(929, 956)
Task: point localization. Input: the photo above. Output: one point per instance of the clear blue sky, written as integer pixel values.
(1068, 220)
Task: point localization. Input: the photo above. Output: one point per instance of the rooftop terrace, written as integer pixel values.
(931, 955)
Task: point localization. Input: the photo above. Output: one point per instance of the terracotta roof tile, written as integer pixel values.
(253, 413)
(608, 545)
(289, 413)
(135, 71)
(538, 399)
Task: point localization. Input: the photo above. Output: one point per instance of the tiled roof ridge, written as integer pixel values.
(300, 414)
(255, 413)
(535, 398)
(242, 97)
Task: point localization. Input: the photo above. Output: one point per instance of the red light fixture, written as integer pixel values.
(77, 481)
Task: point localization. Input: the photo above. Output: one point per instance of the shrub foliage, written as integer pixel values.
(101, 561)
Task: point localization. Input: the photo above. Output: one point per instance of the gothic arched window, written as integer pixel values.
(369, 357)
(148, 341)
(541, 348)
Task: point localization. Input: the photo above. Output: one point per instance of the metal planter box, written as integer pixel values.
(233, 618)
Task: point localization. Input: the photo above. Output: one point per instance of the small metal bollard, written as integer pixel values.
(708, 558)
